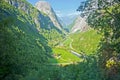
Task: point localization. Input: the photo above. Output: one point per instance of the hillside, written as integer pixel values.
(26, 39)
(22, 47)
(79, 25)
(83, 42)
(40, 21)
(86, 42)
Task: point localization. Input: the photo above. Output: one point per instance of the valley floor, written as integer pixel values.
(66, 53)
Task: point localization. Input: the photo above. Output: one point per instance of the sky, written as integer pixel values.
(62, 7)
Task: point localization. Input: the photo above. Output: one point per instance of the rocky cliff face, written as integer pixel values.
(37, 18)
(79, 25)
(20, 5)
(45, 7)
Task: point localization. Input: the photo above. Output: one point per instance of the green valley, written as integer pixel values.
(61, 55)
(35, 46)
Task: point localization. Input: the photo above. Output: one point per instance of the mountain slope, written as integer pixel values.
(41, 21)
(79, 25)
(38, 18)
(86, 42)
(68, 19)
(22, 48)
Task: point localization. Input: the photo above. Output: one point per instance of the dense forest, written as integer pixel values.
(33, 48)
(104, 16)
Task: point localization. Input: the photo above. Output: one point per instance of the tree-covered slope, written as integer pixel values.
(104, 16)
(39, 20)
(22, 48)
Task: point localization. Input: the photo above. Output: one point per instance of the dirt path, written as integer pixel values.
(74, 52)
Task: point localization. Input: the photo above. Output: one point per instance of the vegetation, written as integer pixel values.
(61, 55)
(25, 53)
(53, 36)
(104, 17)
(71, 25)
(22, 48)
(86, 42)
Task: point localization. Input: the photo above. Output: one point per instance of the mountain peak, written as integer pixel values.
(45, 7)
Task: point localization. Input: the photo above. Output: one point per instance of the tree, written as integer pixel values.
(104, 16)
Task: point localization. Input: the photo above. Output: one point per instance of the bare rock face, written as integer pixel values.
(20, 5)
(79, 25)
(45, 7)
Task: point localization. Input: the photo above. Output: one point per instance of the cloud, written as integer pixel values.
(73, 13)
(66, 14)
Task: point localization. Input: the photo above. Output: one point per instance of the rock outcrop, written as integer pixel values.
(79, 25)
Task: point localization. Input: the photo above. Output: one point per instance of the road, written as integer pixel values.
(76, 53)
(71, 44)
(72, 51)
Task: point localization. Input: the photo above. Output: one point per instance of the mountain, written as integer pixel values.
(79, 24)
(87, 41)
(46, 24)
(68, 19)
(26, 36)
(22, 47)
(61, 22)
(40, 19)
(45, 7)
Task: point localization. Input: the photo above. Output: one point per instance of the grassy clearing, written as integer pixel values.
(86, 41)
(67, 42)
(63, 56)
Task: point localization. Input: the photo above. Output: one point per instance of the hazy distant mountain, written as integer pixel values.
(68, 19)
(45, 7)
(62, 22)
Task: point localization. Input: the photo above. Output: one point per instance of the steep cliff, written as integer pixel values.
(79, 25)
(45, 7)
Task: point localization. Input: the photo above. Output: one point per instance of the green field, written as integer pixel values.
(61, 55)
(86, 41)
(83, 41)
(66, 42)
